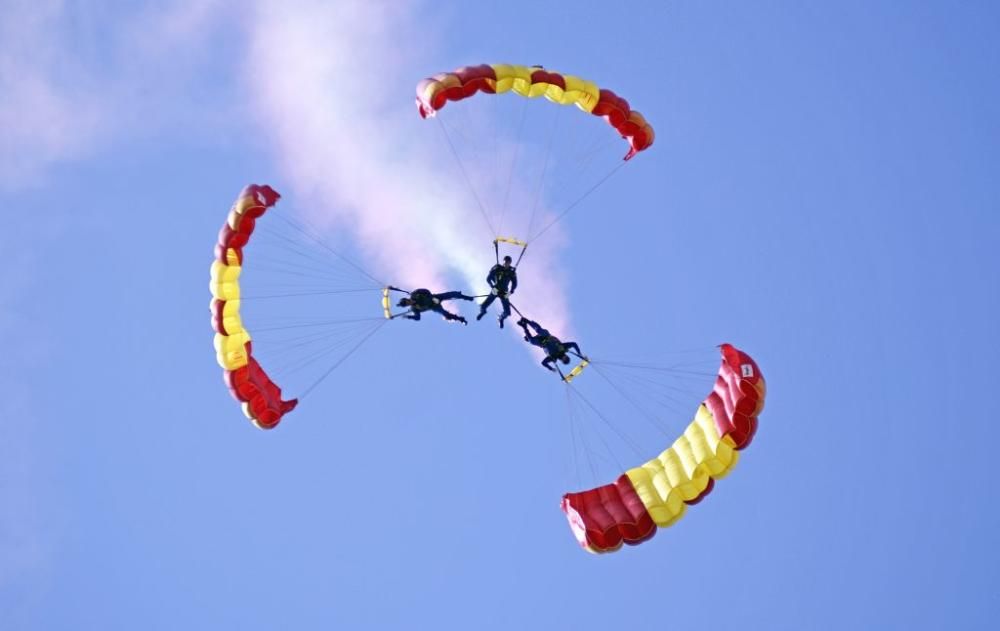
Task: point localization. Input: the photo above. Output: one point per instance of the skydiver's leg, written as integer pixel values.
(536, 326)
(523, 324)
(485, 305)
(451, 295)
(539, 341)
(449, 315)
(506, 309)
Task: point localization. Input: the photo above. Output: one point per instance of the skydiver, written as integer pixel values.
(502, 280)
(555, 350)
(421, 300)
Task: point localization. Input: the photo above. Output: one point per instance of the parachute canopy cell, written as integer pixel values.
(657, 493)
(434, 93)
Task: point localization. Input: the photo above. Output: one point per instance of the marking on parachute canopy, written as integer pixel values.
(747, 370)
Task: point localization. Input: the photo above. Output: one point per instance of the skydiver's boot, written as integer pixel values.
(500, 319)
(481, 314)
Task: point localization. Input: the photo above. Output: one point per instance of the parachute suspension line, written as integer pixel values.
(468, 181)
(342, 359)
(697, 351)
(496, 151)
(583, 441)
(310, 231)
(679, 369)
(572, 438)
(667, 396)
(323, 244)
(625, 439)
(288, 268)
(585, 148)
(296, 248)
(318, 344)
(521, 255)
(600, 436)
(561, 375)
(312, 324)
(307, 293)
(652, 421)
(586, 194)
(294, 261)
(513, 163)
(290, 275)
(545, 166)
(588, 155)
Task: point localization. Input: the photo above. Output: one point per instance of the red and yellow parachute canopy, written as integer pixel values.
(434, 93)
(657, 493)
(261, 397)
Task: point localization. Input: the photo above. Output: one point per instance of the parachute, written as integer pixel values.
(434, 93)
(312, 306)
(656, 494)
(249, 384)
(559, 168)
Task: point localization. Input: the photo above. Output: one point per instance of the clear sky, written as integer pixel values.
(822, 192)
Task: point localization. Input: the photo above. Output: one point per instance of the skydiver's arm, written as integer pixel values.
(513, 281)
(547, 363)
(491, 278)
(574, 345)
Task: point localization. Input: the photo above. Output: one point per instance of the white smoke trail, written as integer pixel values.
(334, 87)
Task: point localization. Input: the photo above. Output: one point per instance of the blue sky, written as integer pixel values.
(822, 193)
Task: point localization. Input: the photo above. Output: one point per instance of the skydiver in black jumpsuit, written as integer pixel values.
(421, 300)
(555, 350)
(502, 280)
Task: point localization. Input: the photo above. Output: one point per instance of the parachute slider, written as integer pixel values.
(387, 304)
(512, 241)
(573, 374)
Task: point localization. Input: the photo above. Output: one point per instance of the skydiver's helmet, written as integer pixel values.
(564, 359)
(404, 302)
(507, 261)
